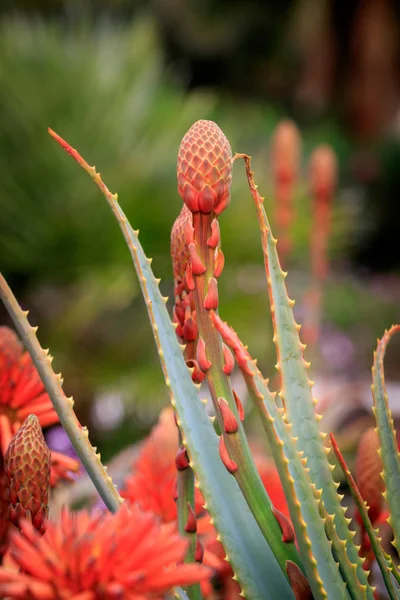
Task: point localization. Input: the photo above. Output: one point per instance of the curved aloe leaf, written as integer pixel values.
(315, 532)
(387, 436)
(63, 406)
(252, 560)
(296, 386)
(382, 558)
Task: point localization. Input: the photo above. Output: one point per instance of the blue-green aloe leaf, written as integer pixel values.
(315, 531)
(296, 386)
(252, 560)
(387, 436)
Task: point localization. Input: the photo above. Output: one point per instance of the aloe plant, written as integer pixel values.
(315, 554)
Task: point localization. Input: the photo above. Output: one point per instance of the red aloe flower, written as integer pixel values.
(21, 390)
(22, 393)
(124, 555)
(152, 483)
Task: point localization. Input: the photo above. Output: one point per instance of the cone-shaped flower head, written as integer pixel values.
(204, 168)
(27, 472)
(94, 557)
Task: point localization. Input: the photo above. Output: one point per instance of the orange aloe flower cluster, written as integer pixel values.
(103, 556)
(22, 393)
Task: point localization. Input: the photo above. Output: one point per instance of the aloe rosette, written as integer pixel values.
(197, 346)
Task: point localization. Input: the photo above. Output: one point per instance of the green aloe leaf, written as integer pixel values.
(382, 558)
(296, 386)
(387, 436)
(315, 532)
(252, 560)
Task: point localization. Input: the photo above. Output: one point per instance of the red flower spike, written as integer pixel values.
(131, 555)
(27, 472)
(198, 267)
(191, 523)
(199, 551)
(285, 525)
(229, 420)
(182, 459)
(219, 262)
(239, 405)
(285, 155)
(230, 464)
(323, 173)
(215, 237)
(298, 581)
(211, 299)
(197, 375)
(204, 168)
(189, 281)
(201, 356)
(229, 360)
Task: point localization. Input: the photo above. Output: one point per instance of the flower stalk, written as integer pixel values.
(204, 177)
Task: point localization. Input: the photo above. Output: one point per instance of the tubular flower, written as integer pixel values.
(22, 393)
(27, 475)
(100, 557)
(204, 168)
(152, 483)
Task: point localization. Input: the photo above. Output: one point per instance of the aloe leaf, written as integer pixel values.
(382, 558)
(63, 406)
(387, 436)
(296, 386)
(180, 594)
(252, 560)
(311, 522)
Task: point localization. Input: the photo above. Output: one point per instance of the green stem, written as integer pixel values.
(237, 446)
(186, 497)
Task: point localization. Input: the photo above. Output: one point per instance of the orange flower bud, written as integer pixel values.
(27, 470)
(204, 168)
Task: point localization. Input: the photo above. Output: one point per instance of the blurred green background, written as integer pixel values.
(122, 83)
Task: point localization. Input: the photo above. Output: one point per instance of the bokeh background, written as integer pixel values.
(122, 81)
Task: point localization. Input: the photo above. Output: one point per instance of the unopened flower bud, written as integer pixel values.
(204, 168)
(27, 470)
